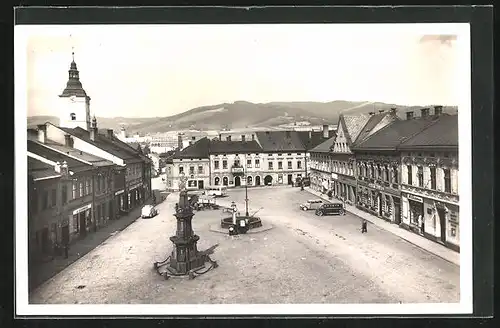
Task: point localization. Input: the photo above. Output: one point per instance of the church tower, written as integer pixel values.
(74, 103)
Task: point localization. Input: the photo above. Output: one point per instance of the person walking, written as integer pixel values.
(364, 225)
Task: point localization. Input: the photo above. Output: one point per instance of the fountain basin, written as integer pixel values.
(253, 222)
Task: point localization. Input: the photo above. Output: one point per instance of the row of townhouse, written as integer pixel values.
(79, 177)
(270, 158)
(402, 170)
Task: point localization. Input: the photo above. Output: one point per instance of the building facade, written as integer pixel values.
(429, 183)
(321, 167)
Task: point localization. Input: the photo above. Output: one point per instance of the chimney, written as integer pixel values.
(438, 110)
(253, 137)
(42, 133)
(243, 137)
(179, 141)
(325, 131)
(425, 112)
(310, 134)
(220, 137)
(67, 140)
(64, 169)
(371, 113)
(93, 132)
(409, 115)
(57, 167)
(110, 133)
(394, 110)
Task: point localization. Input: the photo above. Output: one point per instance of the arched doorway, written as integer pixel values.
(268, 180)
(225, 181)
(216, 181)
(249, 180)
(257, 180)
(237, 181)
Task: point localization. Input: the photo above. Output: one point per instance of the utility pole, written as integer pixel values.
(246, 187)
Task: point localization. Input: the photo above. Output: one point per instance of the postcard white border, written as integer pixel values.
(462, 30)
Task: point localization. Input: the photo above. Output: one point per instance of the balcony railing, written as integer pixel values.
(237, 169)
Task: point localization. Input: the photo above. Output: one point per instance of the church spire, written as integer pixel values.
(73, 86)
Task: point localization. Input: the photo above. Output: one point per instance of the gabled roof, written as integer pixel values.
(391, 136)
(353, 125)
(74, 165)
(95, 160)
(324, 147)
(281, 141)
(443, 133)
(109, 145)
(235, 147)
(40, 170)
(311, 139)
(370, 125)
(199, 149)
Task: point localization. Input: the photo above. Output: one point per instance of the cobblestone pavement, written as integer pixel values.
(303, 259)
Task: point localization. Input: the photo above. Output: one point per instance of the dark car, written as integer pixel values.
(330, 209)
(306, 182)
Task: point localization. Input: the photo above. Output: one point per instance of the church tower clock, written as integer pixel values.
(74, 102)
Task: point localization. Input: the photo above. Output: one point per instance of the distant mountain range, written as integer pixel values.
(241, 114)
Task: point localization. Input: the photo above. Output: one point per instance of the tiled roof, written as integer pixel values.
(219, 147)
(197, 150)
(95, 160)
(55, 156)
(324, 147)
(272, 141)
(106, 144)
(391, 136)
(353, 125)
(313, 138)
(373, 120)
(40, 170)
(443, 133)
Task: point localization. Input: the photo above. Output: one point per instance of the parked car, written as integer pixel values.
(330, 209)
(312, 204)
(306, 182)
(148, 211)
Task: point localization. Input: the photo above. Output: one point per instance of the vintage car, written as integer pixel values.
(148, 211)
(330, 208)
(311, 204)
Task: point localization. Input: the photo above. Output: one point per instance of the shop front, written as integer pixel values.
(82, 221)
(383, 202)
(345, 188)
(119, 203)
(413, 213)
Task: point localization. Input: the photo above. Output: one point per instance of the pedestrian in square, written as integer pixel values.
(364, 225)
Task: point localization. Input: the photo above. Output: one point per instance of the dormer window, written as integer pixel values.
(73, 116)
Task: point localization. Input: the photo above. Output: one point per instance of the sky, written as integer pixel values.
(149, 71)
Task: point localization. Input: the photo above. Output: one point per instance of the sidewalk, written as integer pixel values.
(44, 271)
(417, 240)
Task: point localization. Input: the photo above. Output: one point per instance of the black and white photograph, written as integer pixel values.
(244, 168)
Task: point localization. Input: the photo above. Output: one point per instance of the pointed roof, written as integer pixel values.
(199, 149)
(73, 86)
(370, 126)
(353, 125)
(280, 141)
(231, 147)
(325, 146)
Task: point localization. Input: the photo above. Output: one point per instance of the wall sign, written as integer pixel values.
(415, 198)
(81, 209)
(119, 192)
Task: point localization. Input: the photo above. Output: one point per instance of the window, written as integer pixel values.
(216, 181)
(200, 169)
(53, 197)
(181, 169)
(270, 164)
(191, 170)
(192, 183)
(64, 194)
(81, 189)
(73, 116)
(379, 172)
(420, 176)
(447, 180)
(87, 187)
(395, 174)
(73, 194)
(249, 163)
(299, 165)
(216, 165)
(269, 154)
(298, 154)
(280, 165)
(433, 178)
(224, 164)
(410, 175)
(45, 200)
(257, 163)
(236, 162)
(289, 154)
(289, 165)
